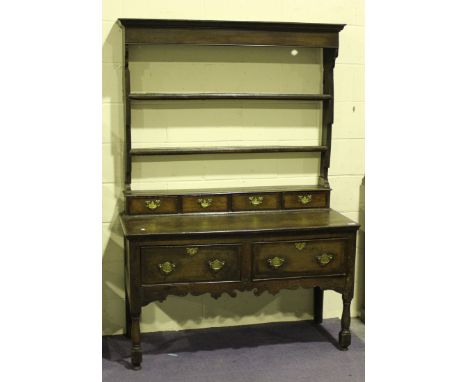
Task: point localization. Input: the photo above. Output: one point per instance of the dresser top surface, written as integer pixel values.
(239, 222)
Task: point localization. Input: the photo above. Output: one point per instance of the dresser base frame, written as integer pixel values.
(145, 294)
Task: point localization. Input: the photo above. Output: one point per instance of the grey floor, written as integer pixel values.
(276, 352)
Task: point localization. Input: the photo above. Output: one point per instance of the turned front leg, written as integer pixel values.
(136, 343)
(345, 334)
(128, 318)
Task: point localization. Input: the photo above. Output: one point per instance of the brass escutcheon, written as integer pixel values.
(324, 258)
(204, 203)
(152, 204)
(300, 246)
(305, 199)
(275, 262)
(256, 200)
(216, 265)
(191, 251)
(166, 267)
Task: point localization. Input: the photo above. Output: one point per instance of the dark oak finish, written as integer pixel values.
(205, 203)
(298, 258)
(197, 201)
(191, 263)
(256, 202)
(260, 239)
(229, 37)
(152, 205)
(329, 56)
(305, 199)
(230, 190)
(227, 96)
(241, 222)
(238, 25)
(227, 150)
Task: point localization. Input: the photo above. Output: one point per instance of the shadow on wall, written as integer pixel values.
(113, 296)
(204, 311)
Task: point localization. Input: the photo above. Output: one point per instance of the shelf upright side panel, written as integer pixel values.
(128, 121)
(329, 56)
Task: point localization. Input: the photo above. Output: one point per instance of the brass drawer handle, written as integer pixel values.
(204, 203)
(167, 267)
(324, 258)
(191, 251)
(152, 204)
(305, 199)
(300, 246)
(216, 265)
(256, 200)
(276, 262)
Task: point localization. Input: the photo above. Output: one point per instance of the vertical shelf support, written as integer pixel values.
(329, 56)
(128, 121)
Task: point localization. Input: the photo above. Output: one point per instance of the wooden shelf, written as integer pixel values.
(227, 96)
(227, 190)
(227, 150)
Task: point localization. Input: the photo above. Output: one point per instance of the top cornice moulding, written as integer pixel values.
(240, 25)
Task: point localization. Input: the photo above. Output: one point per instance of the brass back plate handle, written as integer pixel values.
(305, 199)
(191, 251)
(167, 267)
(205, 202)
(324, 258)
(216, 265)
(275, 262)
(152, 204)
(256, 200)
(300, 246)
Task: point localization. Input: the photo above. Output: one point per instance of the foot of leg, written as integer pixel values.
(344, 339)
(137, 356)
(137, 353)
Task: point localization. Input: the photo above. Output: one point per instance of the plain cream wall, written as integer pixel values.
(347, 162)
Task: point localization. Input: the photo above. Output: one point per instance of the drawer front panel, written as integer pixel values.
(252, 202)
(207, 203)
(172, 264)
(299, 258)
(305, 199)
(152, 205)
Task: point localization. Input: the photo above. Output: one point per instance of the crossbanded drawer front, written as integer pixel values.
(253, 202)
(305, 199)
(152, 205)
(191, 263)
(299, 258)
(206, 203)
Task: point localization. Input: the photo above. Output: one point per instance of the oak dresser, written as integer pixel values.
(235, 239)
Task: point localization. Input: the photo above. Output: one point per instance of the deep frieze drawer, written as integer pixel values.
(305, 199)
(191, 263)
(152, 205)
(205, 203)
(299, 258)
(252, 202)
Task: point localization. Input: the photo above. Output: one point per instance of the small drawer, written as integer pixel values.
(182, 264)
(206, 203)
(250, 202)
(299, 258)
(305, 199)
(152, 205)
